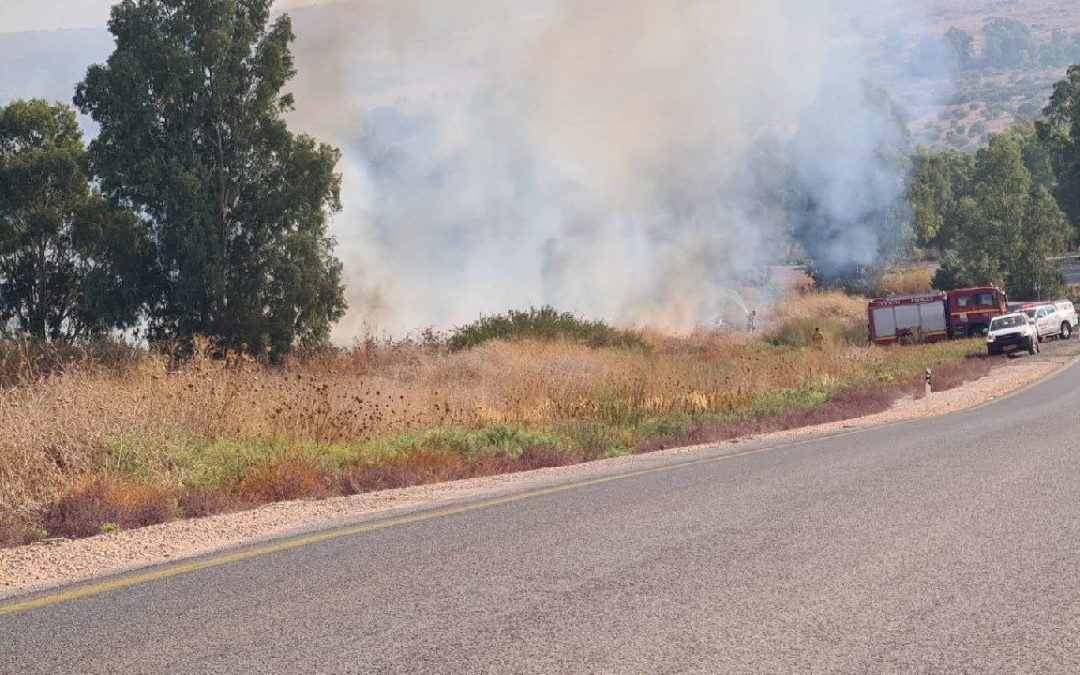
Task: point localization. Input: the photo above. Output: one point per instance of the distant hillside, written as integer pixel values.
(1042, 15)
(1009, 72)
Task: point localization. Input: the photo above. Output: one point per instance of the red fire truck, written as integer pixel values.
(935, 316)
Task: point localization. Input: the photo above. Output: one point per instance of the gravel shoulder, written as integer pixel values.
(55, 563)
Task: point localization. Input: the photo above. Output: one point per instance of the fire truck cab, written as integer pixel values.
(972, 309)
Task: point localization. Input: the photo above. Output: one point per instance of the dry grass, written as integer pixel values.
(820, 305)
(95, 502)
(147, 442)
(906, 281)
(841, 317)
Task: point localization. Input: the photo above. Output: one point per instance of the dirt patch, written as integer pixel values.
(65, 561)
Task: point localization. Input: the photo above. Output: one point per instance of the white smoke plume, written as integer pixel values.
(624, 159)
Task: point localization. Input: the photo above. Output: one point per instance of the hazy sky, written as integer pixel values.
(26, 15)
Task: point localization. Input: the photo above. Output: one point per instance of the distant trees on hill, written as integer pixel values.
(1006, 44)
(996, 216)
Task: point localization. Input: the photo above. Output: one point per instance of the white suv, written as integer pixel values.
(1052, 319)
(1012, 331)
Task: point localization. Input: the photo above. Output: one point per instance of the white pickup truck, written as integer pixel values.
(1012, 331)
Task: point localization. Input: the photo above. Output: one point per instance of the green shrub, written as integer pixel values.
(545, 323)
(511, 440)
(785, 401)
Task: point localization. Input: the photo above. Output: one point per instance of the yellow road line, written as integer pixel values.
(307, 540)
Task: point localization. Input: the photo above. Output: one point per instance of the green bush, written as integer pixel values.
(469, 444)
(786, 401)
(545, 323)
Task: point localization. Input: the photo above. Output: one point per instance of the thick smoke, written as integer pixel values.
(635, 160)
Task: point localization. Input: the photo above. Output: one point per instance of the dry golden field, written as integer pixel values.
(94, 446)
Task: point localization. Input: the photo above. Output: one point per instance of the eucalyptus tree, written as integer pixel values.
(191, 107)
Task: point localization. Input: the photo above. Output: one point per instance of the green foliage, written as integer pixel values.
(211, 464)
(604, 437)
(545, 323)
(108, 528)
(1009, 224)
(960, 43)
(192, 134)
(71, 266)
(1060, 51)
(938, 182)
(471, 445)
(1060, 133)
(903, 362)
(784, 401)
(219, 464)
(1007, 43)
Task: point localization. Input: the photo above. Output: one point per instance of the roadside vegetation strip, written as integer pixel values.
(160, 573)
(69, 562)
(99, 446)
(219, 560)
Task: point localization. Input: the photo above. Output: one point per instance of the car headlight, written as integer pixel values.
(989, 338)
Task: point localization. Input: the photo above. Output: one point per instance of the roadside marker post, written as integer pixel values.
(929, 387)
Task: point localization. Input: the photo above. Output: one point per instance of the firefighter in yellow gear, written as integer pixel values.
(819, 339)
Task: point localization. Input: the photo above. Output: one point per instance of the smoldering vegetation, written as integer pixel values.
(633, 160)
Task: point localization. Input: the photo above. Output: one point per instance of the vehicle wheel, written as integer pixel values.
(978, 330)
(1066, 331)
(993, 351)
(1033, 347)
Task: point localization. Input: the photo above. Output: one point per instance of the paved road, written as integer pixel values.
(950, 544)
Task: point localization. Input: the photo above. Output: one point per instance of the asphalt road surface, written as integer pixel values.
(942, 545)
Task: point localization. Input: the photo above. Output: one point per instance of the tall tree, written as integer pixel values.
(71, 266)
(1060, 133)
(939, 182)
(1007, 42)
(1010, 225)
(1037, 155)
(191, 107)
(1058, 51)
(960, 43)
(1044, 233)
